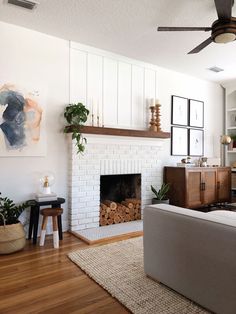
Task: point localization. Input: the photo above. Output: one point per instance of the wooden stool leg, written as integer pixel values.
(43, 230)
(55, 232)
(59, 227)
(31, 223)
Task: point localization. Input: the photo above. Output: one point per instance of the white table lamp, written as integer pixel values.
(46, 181)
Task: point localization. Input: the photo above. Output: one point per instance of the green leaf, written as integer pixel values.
(10, 211)
(162, 193)
(154, 191)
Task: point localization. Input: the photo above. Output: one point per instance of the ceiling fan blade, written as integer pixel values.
(176, 29)
(201, 46)
(224, 8)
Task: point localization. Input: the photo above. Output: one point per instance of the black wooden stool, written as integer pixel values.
(34, 216)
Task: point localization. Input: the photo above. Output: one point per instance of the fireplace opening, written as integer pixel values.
(120, 198)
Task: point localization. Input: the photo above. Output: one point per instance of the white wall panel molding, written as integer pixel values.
(78, 76)
(124, 95)
(110, 92)
(137, 96)
(114, 56)
(95, 84)
(120, 87)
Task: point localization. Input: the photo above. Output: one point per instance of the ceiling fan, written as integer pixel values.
(222, 30)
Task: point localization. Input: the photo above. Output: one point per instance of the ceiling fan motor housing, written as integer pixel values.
(224, 31)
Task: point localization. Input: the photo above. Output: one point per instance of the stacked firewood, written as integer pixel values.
(114, 213)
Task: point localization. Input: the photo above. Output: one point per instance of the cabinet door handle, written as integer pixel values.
(203, 186)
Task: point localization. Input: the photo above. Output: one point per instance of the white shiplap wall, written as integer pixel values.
(120, 87)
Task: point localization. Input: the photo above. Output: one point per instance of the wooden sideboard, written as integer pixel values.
(198, 186)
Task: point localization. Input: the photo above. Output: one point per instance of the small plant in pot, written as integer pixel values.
(12, 233)
(161, 194)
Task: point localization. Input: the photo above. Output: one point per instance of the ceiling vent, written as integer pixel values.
(215, 69)
(30, 5)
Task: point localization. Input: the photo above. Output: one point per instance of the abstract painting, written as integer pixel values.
(21, 123)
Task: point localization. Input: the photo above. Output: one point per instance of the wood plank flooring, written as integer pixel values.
(44, 280)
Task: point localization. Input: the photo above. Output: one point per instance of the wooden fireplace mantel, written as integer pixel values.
(121, 132)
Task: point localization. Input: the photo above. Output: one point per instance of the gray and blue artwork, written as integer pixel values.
(20, 122)
(13, 119)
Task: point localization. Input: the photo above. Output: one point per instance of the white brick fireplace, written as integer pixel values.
(105, 155)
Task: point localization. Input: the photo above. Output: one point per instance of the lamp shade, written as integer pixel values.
(46, 180)
(225, 139)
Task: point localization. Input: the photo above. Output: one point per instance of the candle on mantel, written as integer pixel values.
(92, 111)
(98, 114)
(158, 120)
(152, 102)
(92, 106)
(98, 109)
(95, 108)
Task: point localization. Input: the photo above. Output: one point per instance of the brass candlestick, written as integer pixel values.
(92, 119)
(152, 121)
(97, 120)
(158, 117)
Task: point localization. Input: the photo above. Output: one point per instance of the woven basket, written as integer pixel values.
(12, 238)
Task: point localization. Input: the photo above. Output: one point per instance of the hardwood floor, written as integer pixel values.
(44, 280)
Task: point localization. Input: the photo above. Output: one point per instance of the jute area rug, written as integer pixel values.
(118, 268)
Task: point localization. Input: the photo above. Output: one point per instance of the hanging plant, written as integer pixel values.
(76, 115)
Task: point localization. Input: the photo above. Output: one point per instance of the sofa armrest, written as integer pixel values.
(193, 256)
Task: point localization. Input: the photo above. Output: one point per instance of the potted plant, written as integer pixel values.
(161, 194)
(12, 233)
(76, 115)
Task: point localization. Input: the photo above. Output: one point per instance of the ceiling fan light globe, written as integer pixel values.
(225, 38)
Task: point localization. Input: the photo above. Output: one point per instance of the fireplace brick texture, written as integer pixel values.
(102, 158)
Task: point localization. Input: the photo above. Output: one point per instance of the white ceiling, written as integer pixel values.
(129, 27)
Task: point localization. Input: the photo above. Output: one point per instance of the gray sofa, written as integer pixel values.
(193, 253)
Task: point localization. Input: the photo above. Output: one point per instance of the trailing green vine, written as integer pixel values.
(76, 115)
